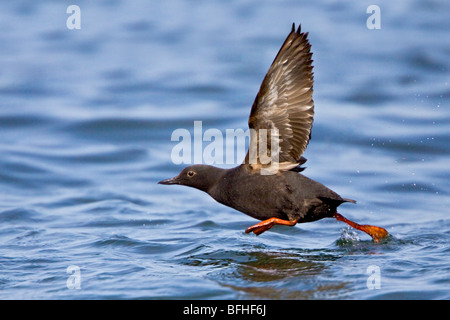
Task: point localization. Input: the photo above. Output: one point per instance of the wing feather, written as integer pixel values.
(284, 102)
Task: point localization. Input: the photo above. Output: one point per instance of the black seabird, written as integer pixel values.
(285, 197)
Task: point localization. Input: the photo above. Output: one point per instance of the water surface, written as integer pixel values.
(86, 118)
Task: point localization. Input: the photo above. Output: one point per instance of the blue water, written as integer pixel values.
(86, 118)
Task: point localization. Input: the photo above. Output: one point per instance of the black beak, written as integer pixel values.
(173, 180)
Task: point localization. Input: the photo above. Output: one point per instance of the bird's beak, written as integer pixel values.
(173, 180)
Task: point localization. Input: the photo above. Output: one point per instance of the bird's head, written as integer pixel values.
(198, 176)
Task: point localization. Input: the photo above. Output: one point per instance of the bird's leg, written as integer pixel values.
(269, 223)
(375, 232)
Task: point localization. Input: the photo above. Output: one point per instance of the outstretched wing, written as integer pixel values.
(284, 103)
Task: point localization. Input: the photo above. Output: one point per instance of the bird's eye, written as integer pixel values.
(190, 173)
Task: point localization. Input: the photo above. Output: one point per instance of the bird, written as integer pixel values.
(282, 115)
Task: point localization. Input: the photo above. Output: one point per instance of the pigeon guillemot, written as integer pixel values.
(284, 197)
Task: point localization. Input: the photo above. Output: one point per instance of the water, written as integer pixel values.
(86, 118)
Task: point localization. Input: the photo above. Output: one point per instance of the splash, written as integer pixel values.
(348, 236)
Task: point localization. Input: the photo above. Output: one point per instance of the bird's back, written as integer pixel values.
(286, 195)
